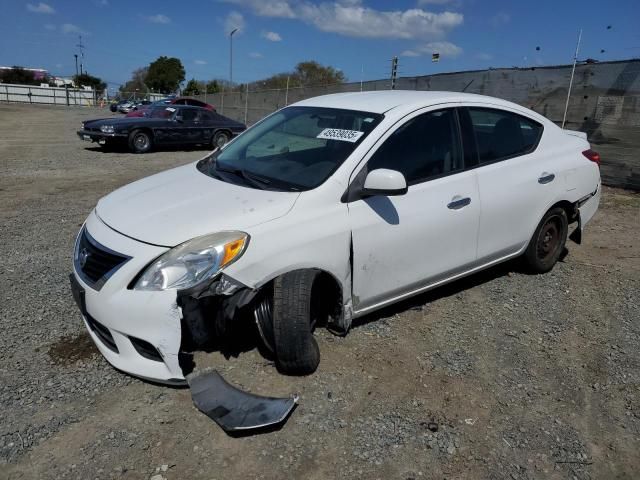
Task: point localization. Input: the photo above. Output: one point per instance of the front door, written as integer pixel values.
(402, 244)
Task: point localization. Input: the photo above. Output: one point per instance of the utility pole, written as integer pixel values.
(394, 72)
(76, 55)
(573, 71)
(81, 47)
(231, 57)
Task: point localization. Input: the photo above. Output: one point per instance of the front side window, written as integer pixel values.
(297, 148)
(501, 134)
(426, 146)
(161, 112)
(188, 114)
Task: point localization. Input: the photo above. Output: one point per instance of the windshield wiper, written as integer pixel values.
(249, 178)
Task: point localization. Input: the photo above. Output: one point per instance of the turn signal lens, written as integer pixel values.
(231, 251)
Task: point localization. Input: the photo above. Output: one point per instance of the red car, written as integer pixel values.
(141, 109)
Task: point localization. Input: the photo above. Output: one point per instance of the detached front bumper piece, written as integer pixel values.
(235, 410)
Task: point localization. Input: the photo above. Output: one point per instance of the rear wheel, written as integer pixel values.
(220, 139)
(140, 141)
(548, 241)
(294, 315)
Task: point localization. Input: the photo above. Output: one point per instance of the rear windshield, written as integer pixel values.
(297, 148)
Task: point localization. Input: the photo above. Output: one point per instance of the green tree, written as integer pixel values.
(305, 74)
(86, 80)
(20, 76)
(165, 74)
(193, 87)
(213, 86)
(137, 82)
(312, 73)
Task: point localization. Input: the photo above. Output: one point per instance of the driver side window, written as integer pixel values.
(425, 147)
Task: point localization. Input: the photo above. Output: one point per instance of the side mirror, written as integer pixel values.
(383, 181)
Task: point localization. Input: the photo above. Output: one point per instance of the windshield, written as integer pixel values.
(297, 148)
(160, 112)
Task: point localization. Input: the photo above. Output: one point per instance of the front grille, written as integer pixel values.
(102, 333)
(94, 262)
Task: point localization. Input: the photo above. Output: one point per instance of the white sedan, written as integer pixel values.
(322, 212)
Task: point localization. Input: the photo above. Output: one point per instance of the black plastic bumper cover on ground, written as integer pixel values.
(235, 410)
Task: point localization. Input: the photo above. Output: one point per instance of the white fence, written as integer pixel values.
(47, 95)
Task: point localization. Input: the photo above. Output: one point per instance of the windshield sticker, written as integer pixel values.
(340, 134)
(170, 109)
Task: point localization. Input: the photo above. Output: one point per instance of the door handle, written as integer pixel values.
(546, 178)
(458, 202)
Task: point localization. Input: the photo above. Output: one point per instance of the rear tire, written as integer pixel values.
(296, 349)
(219, 139)
(140, 141)
(548, 241)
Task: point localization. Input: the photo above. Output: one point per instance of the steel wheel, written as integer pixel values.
(547, 243)
(549, 238)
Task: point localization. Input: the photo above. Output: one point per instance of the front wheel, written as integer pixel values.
(547, 243)
(219, 139)
(140, 141)
(294, 317)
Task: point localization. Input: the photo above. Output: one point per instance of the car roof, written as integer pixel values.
(383, 101)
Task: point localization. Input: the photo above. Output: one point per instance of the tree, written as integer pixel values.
(20, 76)
(213, 86)
(137, 82)
(165, 74)
(86, 80)
(192, 88)
(311, 73)
(305, 74)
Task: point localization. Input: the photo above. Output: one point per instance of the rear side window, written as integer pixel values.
(501, 134)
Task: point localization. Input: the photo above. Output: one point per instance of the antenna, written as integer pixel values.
(573, 71)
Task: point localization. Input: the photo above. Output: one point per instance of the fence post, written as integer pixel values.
(286, 93)
(246, 103)
(6, 89)
(29, 95)
(66, 93)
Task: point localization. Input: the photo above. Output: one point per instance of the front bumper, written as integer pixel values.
(100, 137)
(118, 317)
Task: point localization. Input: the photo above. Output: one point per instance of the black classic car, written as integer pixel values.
(164, 125)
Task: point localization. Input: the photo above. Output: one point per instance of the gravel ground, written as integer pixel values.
(501, 375)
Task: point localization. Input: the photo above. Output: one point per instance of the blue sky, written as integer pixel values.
(357, 36)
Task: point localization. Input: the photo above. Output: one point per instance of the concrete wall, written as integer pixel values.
(605, 103)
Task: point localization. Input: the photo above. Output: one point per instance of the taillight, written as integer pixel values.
(592, 155)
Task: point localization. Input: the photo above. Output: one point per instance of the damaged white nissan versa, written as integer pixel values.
(322, 212)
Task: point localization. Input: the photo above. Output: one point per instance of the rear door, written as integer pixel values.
(515, 179)
(403, 243)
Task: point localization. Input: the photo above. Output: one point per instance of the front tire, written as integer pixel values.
(548, 241)
(294, 318)
(220, 139)
(140, 141)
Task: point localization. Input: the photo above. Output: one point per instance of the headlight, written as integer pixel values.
(193, 261)
(106, 128)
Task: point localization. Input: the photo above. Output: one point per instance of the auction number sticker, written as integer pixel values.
(340, 134)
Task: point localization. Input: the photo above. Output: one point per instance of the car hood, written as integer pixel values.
(122, 121)
(171, 207)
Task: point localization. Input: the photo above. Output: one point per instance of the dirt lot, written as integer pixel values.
(502, 375)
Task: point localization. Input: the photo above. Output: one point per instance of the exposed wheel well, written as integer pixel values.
(326, 293)
(569, 208)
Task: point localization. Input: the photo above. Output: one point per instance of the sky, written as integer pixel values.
(359, 37)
